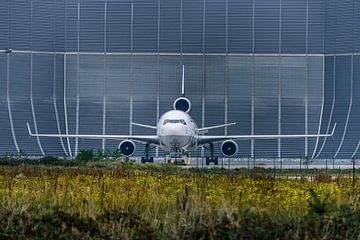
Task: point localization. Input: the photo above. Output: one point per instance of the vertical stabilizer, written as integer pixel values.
(183, 82)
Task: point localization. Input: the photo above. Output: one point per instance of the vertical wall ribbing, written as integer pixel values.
(131, 67)
(332, 107)
(279, 81)
(8, 101)
(65, 80)
(77, 79)
(252, 82)
(31, 82)
(55, 106)
(103, 145)
(158, 71)
(349, 109)
(307, 79)
(226, 65)
(203, 73)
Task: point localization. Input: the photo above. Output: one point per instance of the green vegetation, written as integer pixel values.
(98, 199)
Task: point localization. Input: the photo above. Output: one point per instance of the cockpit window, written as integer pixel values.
(182, 121)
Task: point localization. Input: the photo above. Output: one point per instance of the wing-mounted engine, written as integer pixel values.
(127, 148)
(182, 104)
(229, 148)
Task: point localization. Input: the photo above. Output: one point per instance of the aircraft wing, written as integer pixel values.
(152, 139)
(202, 140)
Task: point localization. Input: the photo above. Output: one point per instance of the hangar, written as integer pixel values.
(91, 67)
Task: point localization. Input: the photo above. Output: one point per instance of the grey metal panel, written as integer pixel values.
(192, 25)
(315, 96)
(170, 23)
(240, 21)
(316, 23)
(330, 26)
(58, 31)
(293, 104)
(118, 26)
(293, 26)
(145, 25)
(20, 102)
(329, 102)
(4, 25)
(267, 15)
(71, 89)
(265, 122)
(215, 27)
(144, 90)
(43, 102)
(266, 77)
(91, 91)
(71, 25)
(20, 24)
(344, 25)
(42, 25)
(356, 27)
(240, 75)
(353, 133)
(92, 26)
(342, 100)
(6, 140)
(59, 97)
(117, 86)
(265, 90)
(215, 94)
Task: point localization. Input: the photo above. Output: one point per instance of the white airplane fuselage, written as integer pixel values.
(177, 131)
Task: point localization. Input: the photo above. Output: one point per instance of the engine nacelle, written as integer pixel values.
(182, 104)
(127, 148)
(229, 148)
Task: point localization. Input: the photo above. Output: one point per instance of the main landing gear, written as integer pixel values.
(147, 157)
(211, 159)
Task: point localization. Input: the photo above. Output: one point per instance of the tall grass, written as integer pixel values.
(166, 203)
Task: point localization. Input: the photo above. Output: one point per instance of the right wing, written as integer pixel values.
(202, 140)
(152, 139)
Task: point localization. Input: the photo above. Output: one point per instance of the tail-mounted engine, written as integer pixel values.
(127, 148)
(182, 104)
(229, 148)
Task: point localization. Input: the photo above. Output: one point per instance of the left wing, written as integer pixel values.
(202, 140)
(152, 139)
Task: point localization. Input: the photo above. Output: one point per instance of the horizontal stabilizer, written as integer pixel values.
(144, 125)
(206, 129)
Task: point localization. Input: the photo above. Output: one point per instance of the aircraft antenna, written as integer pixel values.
(183, 82)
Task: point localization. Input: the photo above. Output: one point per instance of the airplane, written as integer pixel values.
(177, 132)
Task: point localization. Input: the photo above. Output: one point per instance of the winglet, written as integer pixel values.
(28, 127)
(183, 81)
(332, 133)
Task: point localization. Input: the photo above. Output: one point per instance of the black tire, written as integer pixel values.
(207, 160)
(143, 160)
(151, 159)
(216, 161)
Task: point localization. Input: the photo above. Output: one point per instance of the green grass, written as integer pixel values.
(51, 198)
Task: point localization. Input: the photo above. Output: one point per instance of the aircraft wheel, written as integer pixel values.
(143, 160)
(151, 159)
(207, 160)
(216, 161)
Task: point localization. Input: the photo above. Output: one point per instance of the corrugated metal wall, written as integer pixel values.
(86, 66)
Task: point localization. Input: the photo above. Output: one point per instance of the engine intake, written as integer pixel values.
(182, 104)
(127, 148)
(229, 148)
